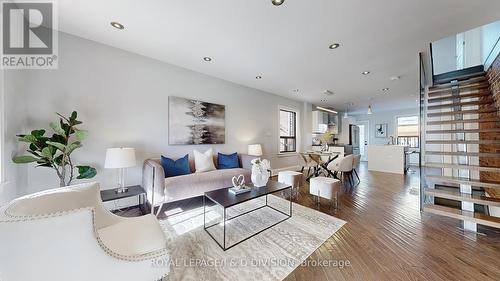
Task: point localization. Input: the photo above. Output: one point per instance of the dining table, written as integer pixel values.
(322, 166)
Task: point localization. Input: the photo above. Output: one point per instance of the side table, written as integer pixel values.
(136, 190)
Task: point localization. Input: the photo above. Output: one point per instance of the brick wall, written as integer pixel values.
(494, 79)
(493, 75)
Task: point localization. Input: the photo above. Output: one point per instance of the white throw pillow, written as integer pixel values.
(203, 162)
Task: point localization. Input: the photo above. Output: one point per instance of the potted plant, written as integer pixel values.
(55, 151)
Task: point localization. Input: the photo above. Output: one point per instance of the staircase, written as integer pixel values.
(462, 151)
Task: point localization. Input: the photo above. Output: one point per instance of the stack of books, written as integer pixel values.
(240, 190)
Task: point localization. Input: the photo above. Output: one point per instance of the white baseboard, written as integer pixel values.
(274, 172)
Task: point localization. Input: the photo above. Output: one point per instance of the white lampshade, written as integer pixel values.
(255, 149)
(120, 157)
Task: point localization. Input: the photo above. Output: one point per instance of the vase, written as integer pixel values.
(260, 179)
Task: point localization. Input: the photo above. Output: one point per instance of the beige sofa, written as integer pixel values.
(187, 186)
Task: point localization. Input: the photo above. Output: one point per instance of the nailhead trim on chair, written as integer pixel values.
(142, 257)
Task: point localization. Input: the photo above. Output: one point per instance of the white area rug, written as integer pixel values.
(270, 255)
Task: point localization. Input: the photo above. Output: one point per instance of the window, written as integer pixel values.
(407, 131)
(288, 131)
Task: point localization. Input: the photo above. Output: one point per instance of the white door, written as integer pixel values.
(364, 138)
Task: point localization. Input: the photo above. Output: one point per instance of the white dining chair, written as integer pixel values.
(307, 163)
(344, 167)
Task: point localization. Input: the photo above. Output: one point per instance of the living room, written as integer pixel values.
(327, 93)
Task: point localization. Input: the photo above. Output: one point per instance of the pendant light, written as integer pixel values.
(346, 115)
(369, 110)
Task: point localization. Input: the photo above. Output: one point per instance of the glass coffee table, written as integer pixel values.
(224, 199)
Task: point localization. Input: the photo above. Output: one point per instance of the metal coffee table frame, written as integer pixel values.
(226, 219)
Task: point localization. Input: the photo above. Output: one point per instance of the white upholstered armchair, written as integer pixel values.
(67, 234)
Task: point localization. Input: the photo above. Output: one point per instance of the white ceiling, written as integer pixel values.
(286, 45)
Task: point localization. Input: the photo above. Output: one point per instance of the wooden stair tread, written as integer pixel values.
(448, 89)
(483, 120)
(455, 195)
(479, 77)
(463, 215)
(462, 167)
(471, 111)
(462, 142)
(470, 154)
(460, 88)
(467, 103)
(467, 77)
(458, 180)
(461, 96)
(486, 130)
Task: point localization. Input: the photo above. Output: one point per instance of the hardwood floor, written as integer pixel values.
(387, 238)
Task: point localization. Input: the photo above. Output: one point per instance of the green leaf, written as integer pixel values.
(58, 138)
(73, 116)
(71, 147)
(34, 152)
(59, 146)
(86, 172)
(67, 128)
(28, 138)
(81, 134)
(48, 152)
(38, 133)
(56, 126)
(24, 159)
(58, 159)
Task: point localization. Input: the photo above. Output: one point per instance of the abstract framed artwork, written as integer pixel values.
(381, 130)
(195, 122)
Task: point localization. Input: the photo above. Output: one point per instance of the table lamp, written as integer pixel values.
(120, 158)
(255, 150)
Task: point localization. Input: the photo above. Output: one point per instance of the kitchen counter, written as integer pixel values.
(387, 158)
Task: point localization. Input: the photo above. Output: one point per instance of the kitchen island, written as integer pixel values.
(387, 158)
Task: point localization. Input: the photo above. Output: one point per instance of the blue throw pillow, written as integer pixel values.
(228, 161)
(178, 167)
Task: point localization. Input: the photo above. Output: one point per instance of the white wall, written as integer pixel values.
(473, 48)
(13, 121)
(388, 117)
(489, 35)
(122, 98)
(444, 55)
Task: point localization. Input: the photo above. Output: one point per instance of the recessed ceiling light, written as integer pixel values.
(365, 72)
(207, 59)
(117, 25)
(258, 77)
(394, 78)
(334, 46)
(277, 2)
(385, 89)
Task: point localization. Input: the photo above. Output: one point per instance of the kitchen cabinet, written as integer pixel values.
(318, 122)
(323, 122)
(387, 158)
